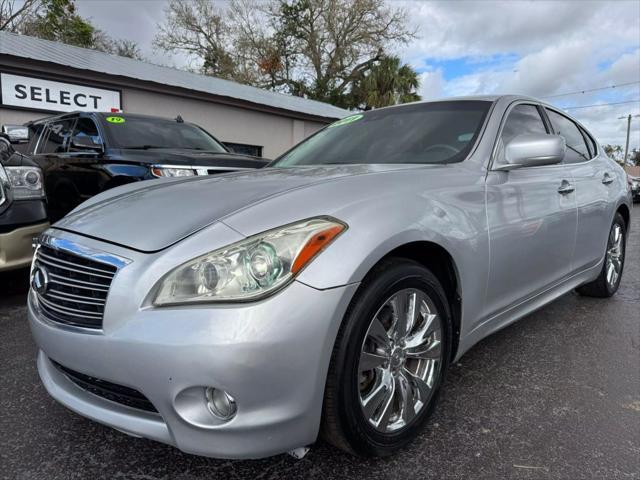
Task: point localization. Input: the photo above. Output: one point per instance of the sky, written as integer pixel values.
(539, 48)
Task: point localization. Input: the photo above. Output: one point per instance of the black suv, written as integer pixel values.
(82, 154)
(23, 210)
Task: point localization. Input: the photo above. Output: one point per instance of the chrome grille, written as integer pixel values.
(76, 289)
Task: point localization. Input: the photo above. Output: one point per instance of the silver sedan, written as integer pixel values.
(241, 315)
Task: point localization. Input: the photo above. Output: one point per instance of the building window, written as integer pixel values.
(254, 150)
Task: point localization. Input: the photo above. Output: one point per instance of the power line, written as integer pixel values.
(593, 89)
(600, 105)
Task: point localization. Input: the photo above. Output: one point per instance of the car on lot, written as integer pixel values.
(330, 291)
(23, 208)
(84, 153)
(634, 182)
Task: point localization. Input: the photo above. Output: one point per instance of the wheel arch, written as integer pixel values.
(442, 264)
(623, 210)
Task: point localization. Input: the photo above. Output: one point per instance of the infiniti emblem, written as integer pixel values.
(40, 280)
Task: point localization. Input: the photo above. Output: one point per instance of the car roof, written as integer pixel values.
(484, 98)
(101, 115)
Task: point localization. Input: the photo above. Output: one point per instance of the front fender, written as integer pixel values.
(126, 170)
(382, 216)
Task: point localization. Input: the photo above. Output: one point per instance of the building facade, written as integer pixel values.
(39, 78)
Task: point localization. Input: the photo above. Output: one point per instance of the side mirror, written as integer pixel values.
(83, 143)
(533, 150)
(16, 133)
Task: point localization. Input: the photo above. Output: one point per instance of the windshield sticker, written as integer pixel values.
(347, 121)
(115, 119)
(465, 137)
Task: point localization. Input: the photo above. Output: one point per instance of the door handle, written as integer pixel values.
(565, 188)
(607, 179)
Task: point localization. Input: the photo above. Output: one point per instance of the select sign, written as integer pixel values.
(39, 94)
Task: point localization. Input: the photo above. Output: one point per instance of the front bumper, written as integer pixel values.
(272, 356)
(16, 248)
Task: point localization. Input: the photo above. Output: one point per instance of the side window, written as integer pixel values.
(57, 136)
(522, 119)
(86, 131)
(591, 143)
(577, 150)
(35, 130)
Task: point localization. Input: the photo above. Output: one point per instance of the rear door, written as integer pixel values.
(532, 218)
(51, 155)
(84, 167)
(592, 178)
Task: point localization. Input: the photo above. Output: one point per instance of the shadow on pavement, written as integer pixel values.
(14, 283)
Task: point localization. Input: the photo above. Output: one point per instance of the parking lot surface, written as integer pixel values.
(556, 395)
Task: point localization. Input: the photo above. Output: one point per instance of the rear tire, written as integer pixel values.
(608, 281)
(409, 363)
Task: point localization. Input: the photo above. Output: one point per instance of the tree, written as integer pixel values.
(120, 47)
(197, 28)
(388, 82)
(319, 49)
(13, 13)
(615, 152)
(59, 21)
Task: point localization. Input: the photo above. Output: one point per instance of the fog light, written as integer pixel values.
(220, 403)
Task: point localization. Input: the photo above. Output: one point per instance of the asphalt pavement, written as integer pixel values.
(556, 395)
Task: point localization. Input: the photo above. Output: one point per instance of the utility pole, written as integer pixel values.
(626, 147)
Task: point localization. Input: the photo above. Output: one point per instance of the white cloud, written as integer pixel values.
(550, 47)
(469, 28)
(431, 84)
(605, 124)
(553, 47)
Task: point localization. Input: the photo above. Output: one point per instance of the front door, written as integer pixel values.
(532, 219)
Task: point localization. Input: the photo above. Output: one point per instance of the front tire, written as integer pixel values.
(608, 281)
(389, 360)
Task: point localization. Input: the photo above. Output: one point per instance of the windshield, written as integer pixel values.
(145, 133)
(439, 132)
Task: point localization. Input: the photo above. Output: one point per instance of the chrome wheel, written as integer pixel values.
(615, 255)
(400, 360)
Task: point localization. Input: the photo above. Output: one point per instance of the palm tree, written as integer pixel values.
(388, 82)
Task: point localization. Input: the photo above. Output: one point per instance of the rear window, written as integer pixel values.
(437, 132)
(146, 133)
(577, 150)
(56, 136)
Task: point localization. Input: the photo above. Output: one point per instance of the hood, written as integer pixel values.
(190, 157)
(152, 215)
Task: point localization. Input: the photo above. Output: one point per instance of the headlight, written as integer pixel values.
(249, 269)
(162, 171)
(25, 182)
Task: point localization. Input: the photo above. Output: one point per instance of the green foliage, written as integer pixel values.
(58, 20)
(327, 50)
(615, 152)
(388, 82)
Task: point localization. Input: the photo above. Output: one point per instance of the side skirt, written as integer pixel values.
(516, 312)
